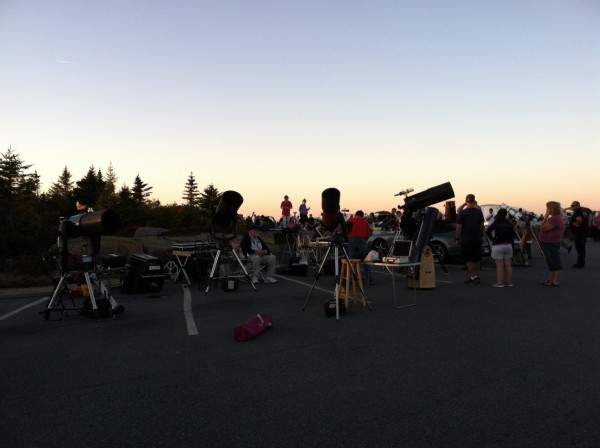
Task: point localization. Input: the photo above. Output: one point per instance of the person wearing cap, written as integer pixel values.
(286, 209)
(257, 252)
(469, 234)
(579, 229)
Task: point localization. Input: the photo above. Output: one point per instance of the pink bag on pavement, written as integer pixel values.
(252, 328)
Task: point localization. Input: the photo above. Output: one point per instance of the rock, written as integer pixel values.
(150, 231)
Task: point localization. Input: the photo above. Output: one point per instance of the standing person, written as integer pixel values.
(489, 219)
(303, 211)
(596, 226)
(257, 252)
(469, 234)
(579, 229)
(549, 236)
(502, 235)
(359, 231)
(286, 209)
(398, 219)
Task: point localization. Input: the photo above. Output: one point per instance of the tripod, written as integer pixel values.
(225, 252)
(337, 243)
(523, 232)
(56, 304)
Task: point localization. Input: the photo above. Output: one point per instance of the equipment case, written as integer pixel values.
(145, 275)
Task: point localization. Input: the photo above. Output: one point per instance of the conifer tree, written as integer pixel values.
(63, 187)
(140, 191)
(191, 195)
(88, 188)
(209, 199)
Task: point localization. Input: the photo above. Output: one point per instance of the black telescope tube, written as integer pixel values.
(226, 212)
(330, 204)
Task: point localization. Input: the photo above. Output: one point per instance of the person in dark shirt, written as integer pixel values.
(469, 234)
(502, 234)
(257, 252)
(579, 229)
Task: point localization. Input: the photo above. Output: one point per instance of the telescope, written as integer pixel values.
(90, 224)
(224, 222)
(520, 214)
(330, 204)
(428, 197)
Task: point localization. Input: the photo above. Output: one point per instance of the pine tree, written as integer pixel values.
(108, 195)
(191, 195)
(88, 189)
(140, 191)
(13, 179)
(209, 199)
(20, 217)
(63, 187)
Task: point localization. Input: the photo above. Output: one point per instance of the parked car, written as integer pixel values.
(381, 220)
(442, 242)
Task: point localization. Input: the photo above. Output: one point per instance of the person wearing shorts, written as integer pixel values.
(502, 234)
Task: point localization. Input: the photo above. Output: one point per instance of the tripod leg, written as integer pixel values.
(244, 271)
(534, 238)
(337, 285)
(316, 277)
(88, 282)
(55, 295)
(212, 271)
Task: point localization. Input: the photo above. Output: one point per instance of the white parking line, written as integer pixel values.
(187, 312)
(189, 315)
(305, 283)
(23, 308)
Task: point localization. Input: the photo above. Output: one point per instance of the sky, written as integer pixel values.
(272, 98)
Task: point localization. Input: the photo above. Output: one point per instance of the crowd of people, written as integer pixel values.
(551, 230)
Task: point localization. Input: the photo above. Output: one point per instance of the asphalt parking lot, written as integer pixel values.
(467, 366)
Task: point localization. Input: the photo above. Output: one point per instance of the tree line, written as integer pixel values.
(30, 217)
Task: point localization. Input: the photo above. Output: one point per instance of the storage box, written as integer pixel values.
(145, 275)
(135, 283)
(146, 264)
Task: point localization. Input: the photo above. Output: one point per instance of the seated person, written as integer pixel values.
(257, 252)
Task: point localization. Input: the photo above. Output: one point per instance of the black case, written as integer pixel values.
(145, 275)
(146, 264)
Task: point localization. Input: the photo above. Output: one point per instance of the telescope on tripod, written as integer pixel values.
(90, 225)
(224, 228)
(333, 221)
